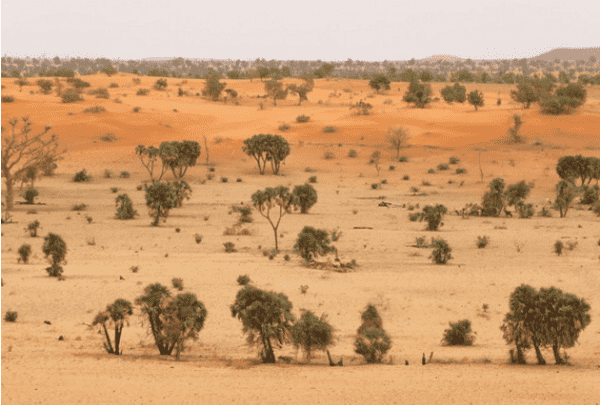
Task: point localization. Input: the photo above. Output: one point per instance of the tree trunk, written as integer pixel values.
(118, 331)
(276, 244)
(538, 354)
(9, 180)
(109, 345)
(557, 358)
(269, 356)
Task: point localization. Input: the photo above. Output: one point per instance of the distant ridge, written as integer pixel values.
(570, 54)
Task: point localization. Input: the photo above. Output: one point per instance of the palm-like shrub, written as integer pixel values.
(312, 333)
(433, 216)
(266, 319)
(117, 314)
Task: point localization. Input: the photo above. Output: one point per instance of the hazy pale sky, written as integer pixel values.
(300, 30)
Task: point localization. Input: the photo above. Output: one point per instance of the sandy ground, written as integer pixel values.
(417, 299)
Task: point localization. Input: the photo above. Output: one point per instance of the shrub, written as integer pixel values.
(117, 313)
(312, 243)
(476, 99)
(284, 127)
(493, 202)
(78, 207)
(558, 247)
(56, 248)
(81, 177)
(433, 216)
(545, 213)
(100, 93)
(442, 166)
(361, 108)
(371, 340)
(114, 189)
(71, 96)
(565, 194)
(177, 283)
(113, 85)
(142, 92)
(229, 247)
(97, 109)
(596, 209)
(431, 171)
(482, 241)
(306, 197)
(137, 109)
(8, 99)
(329, 130)
(414, 217)
(243, 280)
(11, 316)
(459, 334)
(352, 153)
(124, 175)
(375, 186)
(456, 93)
(45, 86)
(392, 168)
(590, 195)
(425, 183)
(454, 160)
(160, 84)
(33, 227)
(302, 119)
(266, 317)
(403, 159)
(24, 251)
(379, 82)
(460, 170)
(329, 155)
(160, 199)
(419, 94)
(172, 320)
(213, 87)
(312, 179)
(312, 333)
(125, 207)
(565, 100)
(525, 210)
(406, 177)
(441, 253)
(198, 238)
(29, 195)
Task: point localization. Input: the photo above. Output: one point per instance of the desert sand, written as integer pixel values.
(416, 298)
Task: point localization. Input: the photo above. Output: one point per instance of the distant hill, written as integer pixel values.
(569, 54)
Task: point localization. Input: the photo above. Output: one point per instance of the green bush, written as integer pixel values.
(160, 199)
(302, 119)
(306, 197)
(596, 209)
(172, 320)
(371, 340)
(443, 166)
(406, 177)
(100, 93)
(11, 316)
(591, 195)
(328, 155)
(142, 92)
(392, 168)
(312, 333)
(460, 170)
(558, 247)
(312, 179)
(441, 251)
(177, 283)
(124, 175)
(433, 216)
(81, 177)
(29, 195)
(24, 252)
(329, 130)
(78, 207)
(161, 84)
(56, 248)
(482, 241)
(266, 317)
(284, 127)
(71, 96)
(229, 247)
(431, 171)
(375, 186)
(33, 227)
(311, 243)
(45, 86)
(97, 109)
(243, 280)
(8, 99)
(459, 334)
(352, 153)
(125, 207)
(454, 160)
(403, 159)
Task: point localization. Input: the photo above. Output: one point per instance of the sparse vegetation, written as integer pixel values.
(459, 334)
(81, 177)
(482, 241)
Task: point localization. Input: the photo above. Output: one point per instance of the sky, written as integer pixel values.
(297, 30)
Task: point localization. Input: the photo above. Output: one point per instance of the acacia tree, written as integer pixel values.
(23, 152)
(117, 313)
(454, 93)
(213, 88)
(266, 147)
(179, 156)
(419, 94)
(572, 167)
(380, 82)
(273, 198)
(274, 88)
(266, 317)
(303, 89)
(476, 99)
(397, 137)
